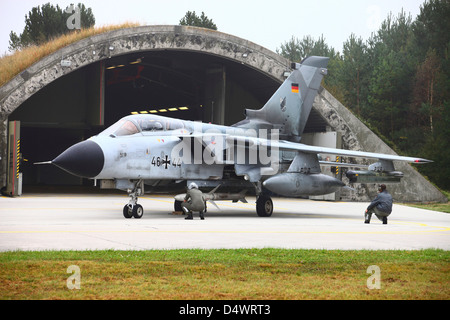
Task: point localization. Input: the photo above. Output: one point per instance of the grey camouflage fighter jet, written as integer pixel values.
(150, 153)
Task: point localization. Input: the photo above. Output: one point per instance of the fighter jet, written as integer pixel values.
(151, 153)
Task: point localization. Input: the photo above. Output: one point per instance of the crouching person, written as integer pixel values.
(193, 202)
(381, 206)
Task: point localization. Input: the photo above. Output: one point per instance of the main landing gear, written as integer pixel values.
(264, 204)
(133, 209)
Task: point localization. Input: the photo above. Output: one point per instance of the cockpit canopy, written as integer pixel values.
(142, 123)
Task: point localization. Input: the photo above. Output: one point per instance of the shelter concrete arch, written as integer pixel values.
(146, 38)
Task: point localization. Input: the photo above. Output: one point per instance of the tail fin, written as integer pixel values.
(288, 109)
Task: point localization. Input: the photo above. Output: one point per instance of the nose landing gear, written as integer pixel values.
(133, 209)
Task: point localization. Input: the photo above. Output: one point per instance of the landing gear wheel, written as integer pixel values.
(177, 206)
(264, 206)
(127, 212)
(132, 209)
(138, 211)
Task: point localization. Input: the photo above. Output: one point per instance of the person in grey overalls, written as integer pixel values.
(381, 206)
(193, 202)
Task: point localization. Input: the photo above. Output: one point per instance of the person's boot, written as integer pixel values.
(367, 217)
(202, 215)
(384, 220)
(189, 216)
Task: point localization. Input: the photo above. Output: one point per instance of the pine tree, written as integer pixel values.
(46, 22)
(192, 19)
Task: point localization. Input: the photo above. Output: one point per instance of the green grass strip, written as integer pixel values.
(269, 274)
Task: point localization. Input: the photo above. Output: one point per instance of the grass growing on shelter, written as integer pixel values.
(12, 64)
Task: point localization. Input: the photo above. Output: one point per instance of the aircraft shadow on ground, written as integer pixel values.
(214, 213)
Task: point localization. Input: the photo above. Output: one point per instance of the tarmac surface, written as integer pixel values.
(95, 221)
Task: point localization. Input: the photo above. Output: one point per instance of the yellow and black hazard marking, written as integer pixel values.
(17, 158)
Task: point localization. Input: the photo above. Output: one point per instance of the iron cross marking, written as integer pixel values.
(166, 162)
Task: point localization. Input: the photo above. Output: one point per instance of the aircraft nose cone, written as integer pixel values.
(84, 159)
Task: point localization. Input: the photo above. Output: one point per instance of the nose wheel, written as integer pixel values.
(137, 211)
(133, 209)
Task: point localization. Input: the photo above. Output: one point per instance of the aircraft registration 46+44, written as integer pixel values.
(150, 153)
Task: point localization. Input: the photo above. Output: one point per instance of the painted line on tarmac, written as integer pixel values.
(400, 232)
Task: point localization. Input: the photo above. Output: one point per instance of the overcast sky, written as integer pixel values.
(267, 23)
